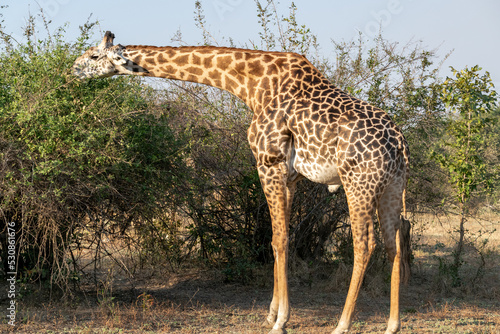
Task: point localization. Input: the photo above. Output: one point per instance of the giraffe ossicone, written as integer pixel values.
(303, 127)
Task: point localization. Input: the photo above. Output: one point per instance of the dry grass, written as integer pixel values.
(196, 301)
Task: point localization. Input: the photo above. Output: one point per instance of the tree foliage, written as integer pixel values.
(79, 159)
(471, 99)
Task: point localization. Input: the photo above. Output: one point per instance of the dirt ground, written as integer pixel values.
(198, 301)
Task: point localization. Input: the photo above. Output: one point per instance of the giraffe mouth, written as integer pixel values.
(77, 71)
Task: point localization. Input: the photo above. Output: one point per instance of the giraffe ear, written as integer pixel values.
(107, 41)
(118, 60)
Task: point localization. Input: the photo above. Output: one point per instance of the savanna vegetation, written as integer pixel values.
(113, 180)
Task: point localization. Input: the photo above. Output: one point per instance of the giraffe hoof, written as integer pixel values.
(340, 331)
(389, 331)
(277, 331)
(393, 327)
(266, 324)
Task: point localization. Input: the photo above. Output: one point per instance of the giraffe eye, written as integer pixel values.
(94, 57)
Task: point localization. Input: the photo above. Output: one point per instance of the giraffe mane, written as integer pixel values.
(197, 48)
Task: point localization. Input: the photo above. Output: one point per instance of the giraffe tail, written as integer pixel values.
(405, 244)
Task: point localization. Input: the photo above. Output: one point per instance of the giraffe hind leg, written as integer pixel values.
(389, 210)
(361, 214)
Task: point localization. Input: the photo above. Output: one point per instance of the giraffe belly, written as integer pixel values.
(318, 170)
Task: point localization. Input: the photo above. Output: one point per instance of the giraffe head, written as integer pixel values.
(105, 60)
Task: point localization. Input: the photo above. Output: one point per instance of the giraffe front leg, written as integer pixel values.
(279, 197)
(280, 249)
(273, 308)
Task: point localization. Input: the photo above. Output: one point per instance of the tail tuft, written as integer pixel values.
(405, 243)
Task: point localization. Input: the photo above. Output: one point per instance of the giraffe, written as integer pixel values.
(302, 127)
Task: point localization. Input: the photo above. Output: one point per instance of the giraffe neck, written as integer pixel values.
(248, 74)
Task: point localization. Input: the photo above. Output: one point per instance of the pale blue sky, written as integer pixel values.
(470, 28)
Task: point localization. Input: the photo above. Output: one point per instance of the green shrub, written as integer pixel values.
(80, 159)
